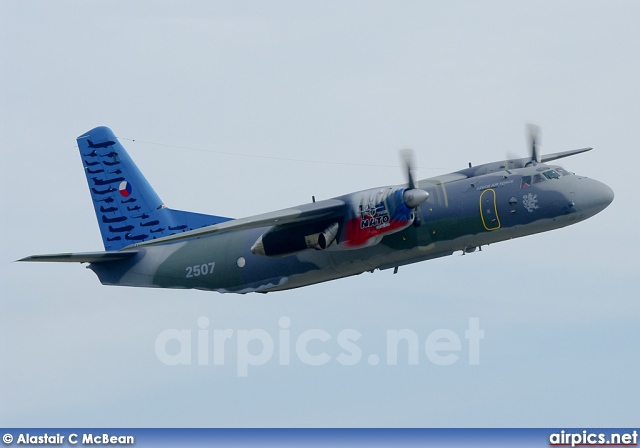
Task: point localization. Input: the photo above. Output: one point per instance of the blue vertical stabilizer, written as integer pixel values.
(127, 208)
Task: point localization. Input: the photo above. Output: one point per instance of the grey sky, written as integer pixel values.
(350, 82)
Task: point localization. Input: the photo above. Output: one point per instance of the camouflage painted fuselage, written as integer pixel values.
(150, 245)
(465, 210)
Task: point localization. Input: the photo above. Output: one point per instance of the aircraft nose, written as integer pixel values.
(592, 196)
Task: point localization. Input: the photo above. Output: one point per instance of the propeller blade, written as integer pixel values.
(412, 196)
(408, 160)
(417, 221)
(534, 141)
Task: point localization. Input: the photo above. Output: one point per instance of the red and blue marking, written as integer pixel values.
(388, 216)
(125, 189)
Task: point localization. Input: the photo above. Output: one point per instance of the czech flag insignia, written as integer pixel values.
(125, 189)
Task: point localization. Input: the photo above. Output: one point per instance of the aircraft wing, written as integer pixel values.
(303, 213)
(82, 257)
(492, 167)
(441, 180)
(560, 155)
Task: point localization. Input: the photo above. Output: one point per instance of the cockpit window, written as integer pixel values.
(555, 173)
(538, 178)
(551, 174)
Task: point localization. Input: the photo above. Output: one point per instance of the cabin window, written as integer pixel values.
(525, 182)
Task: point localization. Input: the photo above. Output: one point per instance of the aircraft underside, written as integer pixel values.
(219, 269)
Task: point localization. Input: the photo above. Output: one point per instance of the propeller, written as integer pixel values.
(412, 196)
(534, 132)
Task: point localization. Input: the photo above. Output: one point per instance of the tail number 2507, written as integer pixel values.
(200, 269)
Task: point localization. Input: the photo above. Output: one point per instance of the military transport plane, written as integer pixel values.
(147, 244)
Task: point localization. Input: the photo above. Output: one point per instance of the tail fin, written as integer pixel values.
(127, 207)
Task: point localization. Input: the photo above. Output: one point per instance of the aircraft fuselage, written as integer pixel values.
(460, 215)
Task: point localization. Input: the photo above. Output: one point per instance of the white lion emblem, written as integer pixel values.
(530, 202)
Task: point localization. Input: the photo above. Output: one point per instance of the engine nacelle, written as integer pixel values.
(368, 217)
(378, 212)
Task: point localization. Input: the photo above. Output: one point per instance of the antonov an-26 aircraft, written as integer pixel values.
(147, 244)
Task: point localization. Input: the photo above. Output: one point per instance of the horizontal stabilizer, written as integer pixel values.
(82, 257)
